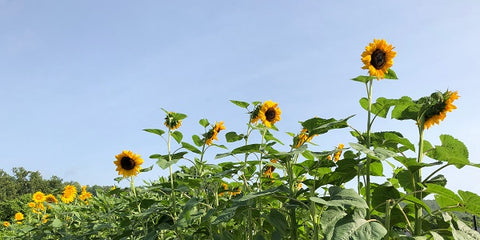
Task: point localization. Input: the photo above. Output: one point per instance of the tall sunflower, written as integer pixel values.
(173, 120)
(128, 163)
(212, 134)
(269, 113)
(437, 112)
(378, 58)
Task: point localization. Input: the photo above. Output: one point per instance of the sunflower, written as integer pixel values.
(269, 113)
(69, 194)
(303, 137)
(128, 163)
(268, 173)
(336, 157)
(212, 134)
(436, 113)
(85, 195)
(6, 224)
(38, 197)
(172, 122)
(51, 199)
(378, 58)
(31, 204)
(224, 188)
(18, 216)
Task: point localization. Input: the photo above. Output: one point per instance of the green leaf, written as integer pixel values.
(148, 169)
(178, 136)
(346, 197)
(472, 202)
(155, 131)
(363, 79)
(164, 164)
(260, 194)
(247, 149)
(381, 194)
(405, 108)
(278, 220)
(56, 223)
(418, 201)
(320, 126)
(445, 197)
(191, 148)
(197, 140)
(240, 103)
(380, 107)
(377, 153)
(204, 122)
(452, 151)
(391, 75)
(226, 215)
(233, 137)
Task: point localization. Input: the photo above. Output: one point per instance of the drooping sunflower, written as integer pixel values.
(50, 198)
(19, 216)
(212, 134)
(128, 163)
(437, 113)
(268, 173)
(38, 197)
(69, 194)
(303, 137)
(378, 58)
(269, 113)
(172, 122)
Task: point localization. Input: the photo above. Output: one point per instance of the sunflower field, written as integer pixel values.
(263, 188)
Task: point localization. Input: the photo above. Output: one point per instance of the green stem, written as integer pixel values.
(418, 179)
(132, 186)
(172, 186)
(388, 209)
(367, 167)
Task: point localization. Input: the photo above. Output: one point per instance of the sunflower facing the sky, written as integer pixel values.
(437, 112)
(378, 58)
(38, 197)
(269, 113)
(128, 163)
(69, 194)
(212, 134)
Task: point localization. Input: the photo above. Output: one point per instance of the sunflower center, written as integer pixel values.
(270, 114)
(378, 59)
(127, 163)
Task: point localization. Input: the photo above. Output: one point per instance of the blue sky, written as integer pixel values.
(80, 80)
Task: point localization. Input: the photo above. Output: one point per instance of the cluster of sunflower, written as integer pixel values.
(18, 219)
(234, 192)
(378, 59)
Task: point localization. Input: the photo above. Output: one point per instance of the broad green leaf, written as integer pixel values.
(226, 215)
(445, 193)
(452, 151)
(260, 194)
(377, 153)
(391, 75)
(155, 131)
(346, 197)
(278, 220)
(178, 136)
(380, 107)
(233, 137)
(164, 164)
(418, 201)
(240, 103)
(363, 79)
(197, 140)
(472, 202)
(381, 194)
(405, 178)
(204, 122)
(320, 126)
(56, 223)
(405, 108)
(190, 147)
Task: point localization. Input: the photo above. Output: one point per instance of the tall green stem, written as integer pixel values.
(367, 167)
(172, 186)
(418, 179)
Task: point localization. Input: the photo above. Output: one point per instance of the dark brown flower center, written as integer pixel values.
(270, 114)
(378, 59)
(127, 163)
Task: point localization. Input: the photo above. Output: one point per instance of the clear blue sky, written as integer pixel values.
(81, 79)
